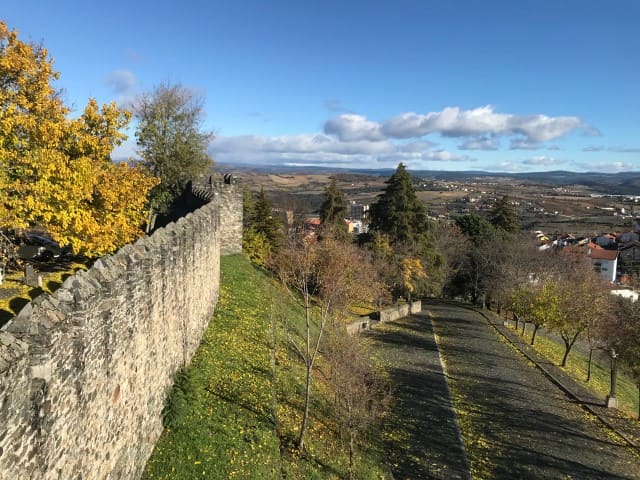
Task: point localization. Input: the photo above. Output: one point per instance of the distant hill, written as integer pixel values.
(623, 183)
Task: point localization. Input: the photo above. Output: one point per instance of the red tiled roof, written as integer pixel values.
(603, 254)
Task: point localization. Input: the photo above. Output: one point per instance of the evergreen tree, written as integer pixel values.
(475, 227)
(398, 212)
(333, 212)
(264, 222)
(504, 216)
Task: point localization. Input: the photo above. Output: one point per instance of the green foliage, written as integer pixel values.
(333, 211)
(171, 140)
(179, 399)
(475, 227)
(504, 216)
(265, 222)
(256, 247)
(401, 235)
(625, 335)
(398, 212)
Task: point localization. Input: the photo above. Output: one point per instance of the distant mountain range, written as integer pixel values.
(622, 183)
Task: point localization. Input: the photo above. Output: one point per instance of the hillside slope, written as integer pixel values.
(222, 411)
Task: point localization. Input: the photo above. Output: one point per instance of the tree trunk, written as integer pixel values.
(524, 326)
(305, 413)
(567, 349)
(309, 367)
(535, 330)
(352, 447)
(589, 364)
(274, 376)
(517, 320)
(568, 345)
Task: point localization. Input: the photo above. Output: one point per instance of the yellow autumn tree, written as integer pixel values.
(412, 271)
(55, 171)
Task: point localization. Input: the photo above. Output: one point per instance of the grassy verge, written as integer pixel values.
(626, 389)
(224, 415)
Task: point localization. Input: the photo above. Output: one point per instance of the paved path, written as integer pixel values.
(422, 440)
(518, 424)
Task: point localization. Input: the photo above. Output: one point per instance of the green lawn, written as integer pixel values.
(223, 417)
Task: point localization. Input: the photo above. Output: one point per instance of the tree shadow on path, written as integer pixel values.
(421, 435)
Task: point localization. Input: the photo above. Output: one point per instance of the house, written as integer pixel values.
(604, 261)
(630, 257)
(605, 240)
(628, 237)
(357, 210)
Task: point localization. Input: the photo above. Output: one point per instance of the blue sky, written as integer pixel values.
(442, 85)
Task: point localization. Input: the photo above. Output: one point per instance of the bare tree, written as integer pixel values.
(361, 392)
(326, 278)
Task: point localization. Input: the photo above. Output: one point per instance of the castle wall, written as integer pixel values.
(84, 372)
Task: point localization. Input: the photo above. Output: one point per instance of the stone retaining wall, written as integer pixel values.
(387, 315)
(84, 372)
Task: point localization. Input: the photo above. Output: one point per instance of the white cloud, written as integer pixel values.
(523, 144)
(417, 146)
(479, 143)
(320, 149)
(121, 81)
(542, 160)
(350, 127)
(352, 140)
(612, 149)
(505, 166)
(123, 85)
(608, 167)
(455, 122)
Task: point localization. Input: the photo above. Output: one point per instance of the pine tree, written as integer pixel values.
(398, 212)
(264, 221)
(333, 212)
(475, 227)
(504, 216)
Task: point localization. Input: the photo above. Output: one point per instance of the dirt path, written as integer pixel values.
(517, 424)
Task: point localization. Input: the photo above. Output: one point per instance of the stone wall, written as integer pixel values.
(387, 315)
(227, 192)
(84, 372)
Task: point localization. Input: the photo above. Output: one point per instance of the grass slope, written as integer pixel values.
(224, 421)
(600, 383)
